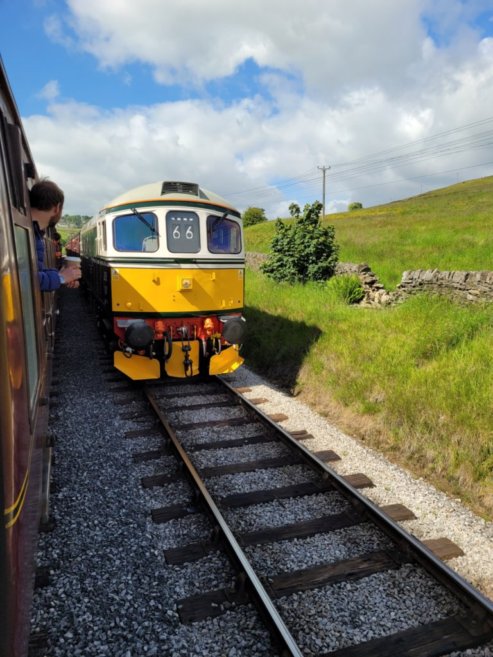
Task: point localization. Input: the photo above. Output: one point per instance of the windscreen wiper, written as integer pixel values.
(218, 220)
(144, 221)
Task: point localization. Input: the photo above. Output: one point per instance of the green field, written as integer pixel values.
(415, 380)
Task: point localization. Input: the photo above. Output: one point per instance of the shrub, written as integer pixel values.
(346, 288)
(355, 205)
(304, 251)
(253, 216)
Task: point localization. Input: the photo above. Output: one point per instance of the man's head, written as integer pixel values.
(46, 200)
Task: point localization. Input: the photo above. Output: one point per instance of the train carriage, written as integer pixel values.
(27, 324)
(165, 266)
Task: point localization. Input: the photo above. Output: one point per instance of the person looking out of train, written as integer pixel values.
(58, 249)
(46, 200)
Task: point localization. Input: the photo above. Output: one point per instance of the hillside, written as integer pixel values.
(448, 228)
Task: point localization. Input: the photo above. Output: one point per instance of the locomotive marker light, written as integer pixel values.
(185, 284)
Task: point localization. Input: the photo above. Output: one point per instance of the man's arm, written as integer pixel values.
(49, 280)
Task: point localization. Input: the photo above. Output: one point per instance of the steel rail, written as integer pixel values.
(483, 607)
(283, 637)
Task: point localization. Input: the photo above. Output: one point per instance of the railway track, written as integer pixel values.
(327, 571)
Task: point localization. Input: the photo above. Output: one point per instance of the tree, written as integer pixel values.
(294, 210)
(305, 251)
(74, 220)
(355, 205)
(253, 216)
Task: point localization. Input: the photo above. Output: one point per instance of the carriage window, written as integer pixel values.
(27, 300)
(223, 235)
(182, 231)
(136, 232)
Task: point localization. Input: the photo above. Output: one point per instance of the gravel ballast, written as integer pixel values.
(111, 593)
(437, 515)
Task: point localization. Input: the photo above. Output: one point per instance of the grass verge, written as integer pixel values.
(414, 381)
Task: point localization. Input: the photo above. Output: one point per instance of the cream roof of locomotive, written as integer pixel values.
(152, 192)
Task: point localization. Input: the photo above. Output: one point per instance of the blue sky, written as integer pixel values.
(249, 99)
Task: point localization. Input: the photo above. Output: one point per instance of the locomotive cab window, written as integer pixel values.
(136, 232)
(223, 235)
(182, 231)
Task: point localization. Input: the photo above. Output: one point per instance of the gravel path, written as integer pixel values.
(436, 514)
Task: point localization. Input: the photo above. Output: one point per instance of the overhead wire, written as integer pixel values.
(387, 159)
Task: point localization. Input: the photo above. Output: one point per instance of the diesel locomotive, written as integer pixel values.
(27, 325)
(164, 265)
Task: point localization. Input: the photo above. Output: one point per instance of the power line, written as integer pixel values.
(429, 175)
(286, 183)
(394, 157)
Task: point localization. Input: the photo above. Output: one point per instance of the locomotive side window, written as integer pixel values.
(182, 231)
(27, 300)
(223, 235)
(88, 242)
(136, 232)
(101, 236)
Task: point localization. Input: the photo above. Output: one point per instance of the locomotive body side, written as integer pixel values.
(166, 272)
(26, 335)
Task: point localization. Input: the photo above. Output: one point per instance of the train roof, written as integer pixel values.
(167, 193)
(8, 105)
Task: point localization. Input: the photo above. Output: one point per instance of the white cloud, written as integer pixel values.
(96, 155)
(50, 91)
(344, 81)
(56, 31)
(331, 44)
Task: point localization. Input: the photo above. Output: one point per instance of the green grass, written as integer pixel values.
(450, 228)
(346, 288)
(413, 380)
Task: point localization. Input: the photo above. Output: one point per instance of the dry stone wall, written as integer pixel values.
(460, 285)
(254, 260)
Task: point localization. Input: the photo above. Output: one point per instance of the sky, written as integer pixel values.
(260, 101)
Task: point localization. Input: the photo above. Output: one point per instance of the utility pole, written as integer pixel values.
(323, 169)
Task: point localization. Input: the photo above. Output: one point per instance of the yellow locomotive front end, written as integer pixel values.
(167, 273)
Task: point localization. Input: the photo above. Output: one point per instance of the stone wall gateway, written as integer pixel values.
(375, 293)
